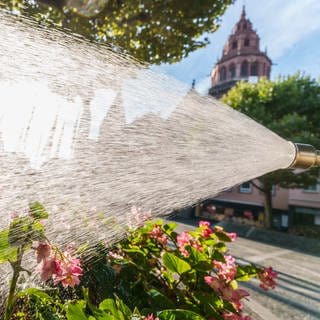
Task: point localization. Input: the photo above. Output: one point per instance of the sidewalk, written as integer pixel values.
(275, 238)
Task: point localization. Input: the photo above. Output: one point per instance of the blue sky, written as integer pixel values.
(290, 29)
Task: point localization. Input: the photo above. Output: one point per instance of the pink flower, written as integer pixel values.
(43, 251)
(71, 271)
(232, 295)
(206, 230)
(61, 268)
(205, 224)
(233, 316)
(49, 268)
(226, 271)
(157, 234)
(232, 236)
(115, 255)
(183, 240)
(150, 317)
(213, 282)
(268, 277)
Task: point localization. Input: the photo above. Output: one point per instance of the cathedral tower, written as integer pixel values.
(241, 59)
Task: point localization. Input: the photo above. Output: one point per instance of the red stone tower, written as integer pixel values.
(241, 59)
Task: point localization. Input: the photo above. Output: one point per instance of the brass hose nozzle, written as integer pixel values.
(306, 156)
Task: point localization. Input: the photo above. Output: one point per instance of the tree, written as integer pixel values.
(153, 31)
(290, 107)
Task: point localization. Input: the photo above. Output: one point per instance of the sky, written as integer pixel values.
(289, 29)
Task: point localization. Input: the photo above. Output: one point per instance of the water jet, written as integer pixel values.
(102, 141)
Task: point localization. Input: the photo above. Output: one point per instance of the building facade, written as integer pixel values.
(241, 59)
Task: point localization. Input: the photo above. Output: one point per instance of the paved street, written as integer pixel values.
(297, 295)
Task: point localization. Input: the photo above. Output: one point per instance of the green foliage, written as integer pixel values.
(152, 31)
(7, 252)
(175, 264)
(154, 273)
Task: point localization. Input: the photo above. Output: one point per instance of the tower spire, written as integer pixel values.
(243, 13)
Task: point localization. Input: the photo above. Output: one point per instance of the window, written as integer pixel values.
(245, 187)
(246, 42)
(234, 45)
(232, 71)
(244, 69)
(223, 73)
(254, 69)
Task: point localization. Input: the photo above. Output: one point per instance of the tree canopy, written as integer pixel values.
(153, 31)
(290, 107)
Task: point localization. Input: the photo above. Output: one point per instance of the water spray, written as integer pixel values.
(104, 143)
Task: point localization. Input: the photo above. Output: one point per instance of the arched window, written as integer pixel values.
(254, 69)
(245, 26)
(244, 69)
(223, 73)
(234, 45)
(247, 42)
(232, 71)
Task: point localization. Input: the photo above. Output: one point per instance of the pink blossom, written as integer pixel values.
(150, 317)
(183, 240)
(115, 255)
(232, 295)
(61, 268)
(226, 271)
(43, 251)
(157, 234)
(49, 268)
(205, 224)
(233, 316)
(232, 236)
(206, 230)
(137, 217)
(71, 271)
(268, 278)
(213, 282)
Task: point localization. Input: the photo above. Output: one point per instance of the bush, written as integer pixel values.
(154, 273)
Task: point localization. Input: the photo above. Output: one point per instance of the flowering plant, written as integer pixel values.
(184, 276)
(155, 273)
(26, 233)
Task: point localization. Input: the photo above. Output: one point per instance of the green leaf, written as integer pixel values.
(216, 255)
(38, 231)
(109, 305)
(20, 231)
(175, 264)
(38, 211)
(7, 253)
(40, 294)
(169, 227)
(210, 303)
(222, 236)
(123, 308)
(179, 314)
(135, 249)
(160, 300)
(76, 310)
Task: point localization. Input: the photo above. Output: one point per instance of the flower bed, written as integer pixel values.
(154, 273)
